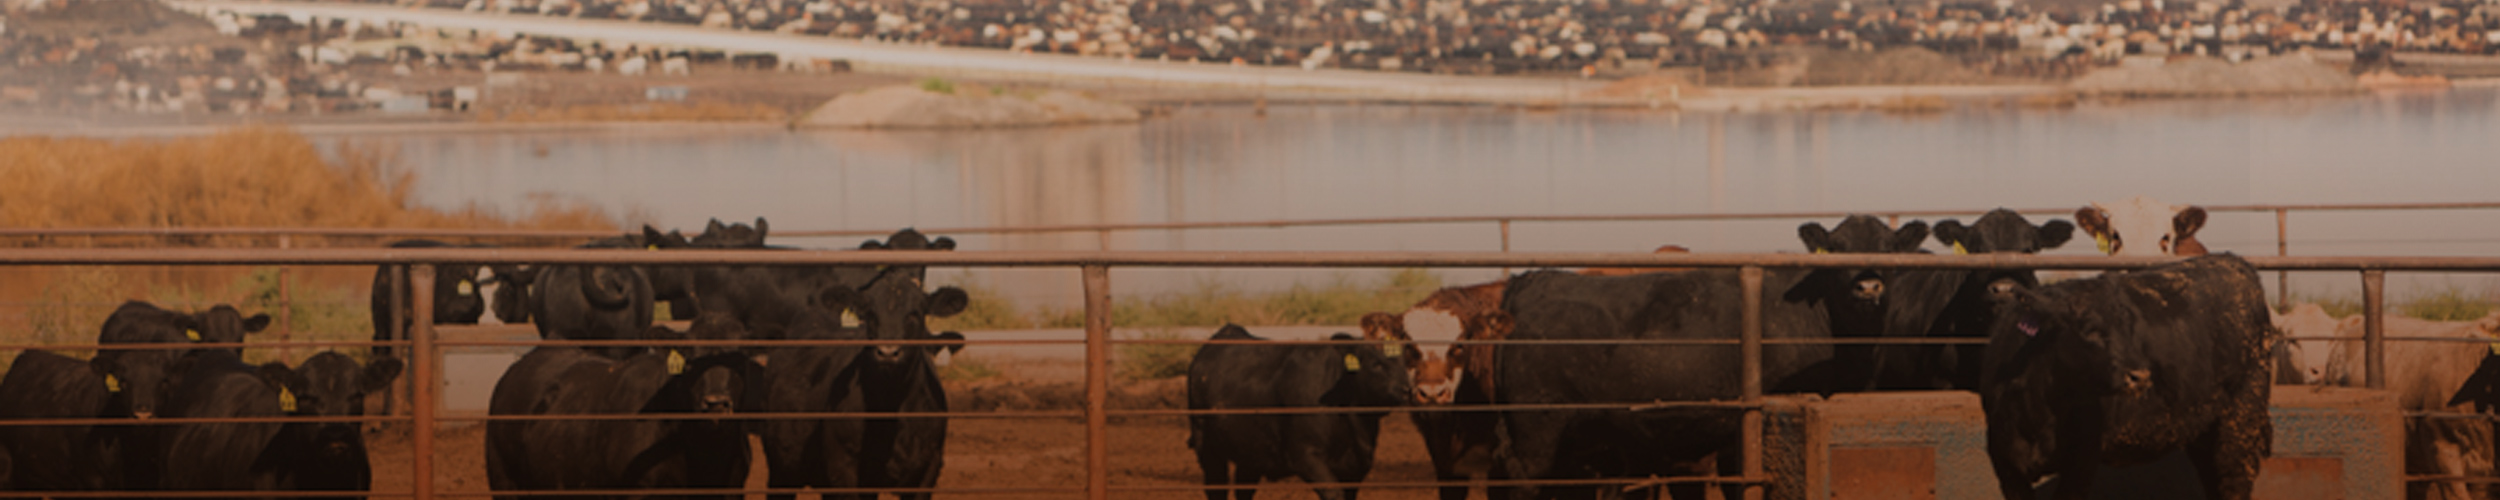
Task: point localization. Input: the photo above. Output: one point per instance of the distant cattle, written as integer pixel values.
(2140, 226)
(2127, 367)
(1698, 304)
(272, 456)
(613, 454)
(862, 453)
(1957, 303)
(456, 297)
(2427, 376)
(2307, 343)
(1242, 450)
(219, 324)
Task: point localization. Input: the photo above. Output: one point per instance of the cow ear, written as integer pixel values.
(379, 375)
(1952, 233)
(1382, 326)
(651, 237)
(256, 323)
(104, 360)
(2055, 233)
(1908, 237)
(1494, 325)
(956, 347)
(947, 301)
(2092, 220)
(872, 245)
(714, 227)
(942, 243)
(2187, 221)
(278, 375)
(761, 227)
(838, 298)
(1817, 239)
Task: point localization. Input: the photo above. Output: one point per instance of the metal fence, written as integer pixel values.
(425, 351)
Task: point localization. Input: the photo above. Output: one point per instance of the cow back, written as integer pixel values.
(219, 456)
(1701, 304)
(43, 385)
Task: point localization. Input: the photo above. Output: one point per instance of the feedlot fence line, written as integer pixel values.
(424, 352)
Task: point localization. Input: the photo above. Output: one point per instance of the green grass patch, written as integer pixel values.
(2451, 304)
(1153, 361)
(988, 310)
(936, 85)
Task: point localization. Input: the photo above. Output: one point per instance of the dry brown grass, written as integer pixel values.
(250, 177)
(661, 111)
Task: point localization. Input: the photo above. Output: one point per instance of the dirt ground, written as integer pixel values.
(994, 452)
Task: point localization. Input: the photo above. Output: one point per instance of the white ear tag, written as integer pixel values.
(849, 320)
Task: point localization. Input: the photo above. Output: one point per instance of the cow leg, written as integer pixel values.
(2228, 455)
(1311, 464)
(1243, 477)
(1531, 439)
(1216, 472)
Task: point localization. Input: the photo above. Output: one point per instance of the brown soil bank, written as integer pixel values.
(935, 104)
(2202, 76)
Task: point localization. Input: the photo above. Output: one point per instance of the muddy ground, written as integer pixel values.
(994, 452)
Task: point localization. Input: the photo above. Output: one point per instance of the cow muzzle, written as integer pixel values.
(1869, 288)
(718, 403)
(1436, 393)
(2003, 287)
(889, 353)
(2136, 380)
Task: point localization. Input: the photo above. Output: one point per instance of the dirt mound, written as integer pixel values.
(940, 105)
(2204, 76)
(1024, 396)
(1650, 87)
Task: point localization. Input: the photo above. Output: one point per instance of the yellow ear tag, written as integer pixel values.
(286, 400)
(1352, 364)
(676, 363)
(1394, 349)
(1819, 251)
(650, 247)
(112, 384)
(2103, 241)
(193, 334)
(466, 288)
(1958, 250)
(849, 320)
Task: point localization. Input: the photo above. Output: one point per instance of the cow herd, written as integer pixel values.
(1605, 373)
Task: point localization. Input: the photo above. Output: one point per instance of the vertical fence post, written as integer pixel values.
(286, 307)
(391, 401)
(2374, 331)
(1750, 351)
(1097, 381)
(2282, 247)
(421, 359)
(1505, 245)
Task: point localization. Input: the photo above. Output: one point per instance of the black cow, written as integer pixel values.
(456, 297)
(573, 302)
(272, 456)
(117, 383)
(610, 454)
(43, 385)
(1954, 303)
(1316, 447)
(2127, 367)
(764, 299)
(323, 456)
(862, 453)
(1698, 304)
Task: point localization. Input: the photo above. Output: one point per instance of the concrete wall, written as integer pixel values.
(2329, 443)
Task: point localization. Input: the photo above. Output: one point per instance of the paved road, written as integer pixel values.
(958, 62)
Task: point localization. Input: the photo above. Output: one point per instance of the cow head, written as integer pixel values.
(1854, 297)
(717, 235)
(456, 295)
(222, 324)
(2142, 227)
(721, 382)
(2306, 348)
(893, 306)
(2066, 327)
(330, 384)
(140, 379)
(2004, 231)
(507, 292)
(1426, 338)
(1371, 377)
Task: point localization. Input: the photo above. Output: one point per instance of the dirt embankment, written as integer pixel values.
(939, 104)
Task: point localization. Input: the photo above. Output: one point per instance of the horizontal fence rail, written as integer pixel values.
(424, 350)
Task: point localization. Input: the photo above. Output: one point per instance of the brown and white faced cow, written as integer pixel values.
(1428, 330)
(2143, 227)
